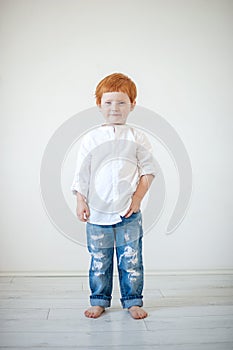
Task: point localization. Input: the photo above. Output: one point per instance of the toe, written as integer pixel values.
(137, 312)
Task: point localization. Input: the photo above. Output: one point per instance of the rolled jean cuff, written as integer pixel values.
(100, 301)
(128, 302)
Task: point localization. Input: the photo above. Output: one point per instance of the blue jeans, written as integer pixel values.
(126, 237)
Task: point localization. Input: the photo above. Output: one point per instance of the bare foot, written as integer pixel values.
(137, 312)
(94, 311)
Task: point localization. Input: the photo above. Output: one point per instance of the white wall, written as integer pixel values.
(53, 53)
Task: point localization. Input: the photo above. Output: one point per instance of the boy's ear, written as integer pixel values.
(133, 104)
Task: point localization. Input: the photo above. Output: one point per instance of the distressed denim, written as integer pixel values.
(126, 239)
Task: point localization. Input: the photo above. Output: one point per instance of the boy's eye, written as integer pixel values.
(110, 103)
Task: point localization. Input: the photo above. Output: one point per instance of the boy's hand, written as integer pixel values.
(134, 206)
(82, 211)
(142, 188)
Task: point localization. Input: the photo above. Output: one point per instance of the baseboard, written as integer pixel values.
(85, 274)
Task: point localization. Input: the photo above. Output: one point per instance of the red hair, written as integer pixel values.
(116, 82)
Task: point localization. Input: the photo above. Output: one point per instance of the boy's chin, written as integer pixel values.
(115, 121)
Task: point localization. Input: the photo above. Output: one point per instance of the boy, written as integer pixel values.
(114, 171)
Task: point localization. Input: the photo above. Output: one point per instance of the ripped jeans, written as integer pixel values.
(126, 237)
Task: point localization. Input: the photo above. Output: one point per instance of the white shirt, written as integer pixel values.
(111, 160)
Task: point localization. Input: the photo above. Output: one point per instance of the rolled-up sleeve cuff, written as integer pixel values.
(77, 188)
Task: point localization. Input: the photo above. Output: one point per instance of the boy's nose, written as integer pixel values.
(115, 106)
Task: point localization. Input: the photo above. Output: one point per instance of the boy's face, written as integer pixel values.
(115, 107)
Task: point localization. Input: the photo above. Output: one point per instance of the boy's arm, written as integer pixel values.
(81, 179)
(82, 210)
(143, 186)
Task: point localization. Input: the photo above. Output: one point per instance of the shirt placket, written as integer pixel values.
(114, 162)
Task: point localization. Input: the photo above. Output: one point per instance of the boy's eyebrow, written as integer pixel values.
(110, 100)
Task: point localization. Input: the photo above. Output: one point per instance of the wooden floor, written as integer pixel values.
(185, 313)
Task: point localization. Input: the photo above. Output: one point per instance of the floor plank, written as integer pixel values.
(108, 339)
(189, 312)
(218, 346)
(23, 314)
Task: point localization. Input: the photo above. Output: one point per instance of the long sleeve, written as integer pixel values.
(146, 162)
(82, 173)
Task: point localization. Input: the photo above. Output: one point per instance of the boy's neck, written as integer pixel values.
(106, 124)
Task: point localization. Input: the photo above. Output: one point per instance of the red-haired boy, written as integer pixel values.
(114, 171)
